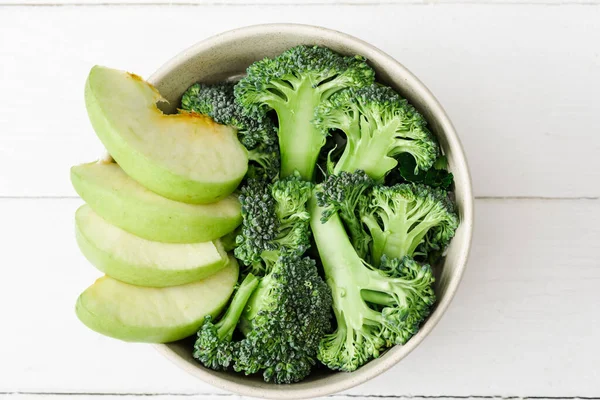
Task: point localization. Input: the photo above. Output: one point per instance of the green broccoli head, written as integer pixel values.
(264, 162)
(269, 81)
(284, 322)
(293, 84)
(214, 100)
(404, 314)
(379, 125)
(259, 224)
(342, 194)
(214, 347)
(283, 317)
(408, 219)
(275, 222)
(375, 308)
(350, 347)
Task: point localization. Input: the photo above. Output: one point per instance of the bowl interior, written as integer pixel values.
(226, 56)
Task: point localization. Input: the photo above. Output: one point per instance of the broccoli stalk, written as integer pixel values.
(300, 150)
(408, 219)
(214, 347)
(374, 308)
(294, 84)
(343, 194)
(379, 125)
(299, 140)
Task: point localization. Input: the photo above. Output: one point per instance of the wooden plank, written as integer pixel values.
(71, 396)
(131, 396)
(524, 322)
(524, 100)
(288, 2)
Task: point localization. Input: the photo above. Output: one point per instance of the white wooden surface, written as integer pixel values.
(521, 82)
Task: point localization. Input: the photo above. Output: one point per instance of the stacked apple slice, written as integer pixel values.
(153, 219)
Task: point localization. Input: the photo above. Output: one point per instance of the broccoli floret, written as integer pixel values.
(374, 308)
(284, 317)
(258, 134)
(264, 162)
(259, 226)
(405, 219)
(408, 219)
(214, 347)
(213, 100)
(284, 322)
(343, 194)
(379, 125)
(294, 84)
(275, 222)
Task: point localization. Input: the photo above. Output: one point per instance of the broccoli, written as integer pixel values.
(257, 134)
(379, 210)
(379, 125)
(404, 219)
(343, 194)
(283, 322)
(275, 222)
(263, 162)
(375, 308)
(286, 318)
(294, 84)
(214, 347)
(408, 219)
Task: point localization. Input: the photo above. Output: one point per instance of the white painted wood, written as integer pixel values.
(287, 2)
(59, 396)
(520, 82)
(525, 321)
(35, 396)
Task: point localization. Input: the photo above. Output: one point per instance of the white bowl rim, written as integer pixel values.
(467, 210)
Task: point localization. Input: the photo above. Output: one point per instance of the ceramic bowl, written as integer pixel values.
(226, 56)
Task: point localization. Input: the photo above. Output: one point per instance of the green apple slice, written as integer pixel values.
(123, 202)
(185, 157)
(138, 261)
(154, 315)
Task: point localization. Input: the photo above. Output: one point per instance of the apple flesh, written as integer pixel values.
(154, 315)
(138, 261)
(185, 157)
(123, 202)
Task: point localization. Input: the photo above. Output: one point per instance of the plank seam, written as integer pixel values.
(370, 396)
(309, 3)
(536, 198)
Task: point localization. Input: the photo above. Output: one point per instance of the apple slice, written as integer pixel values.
(185, 157)
(123, 202)
(137, 261)
(154, 315)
